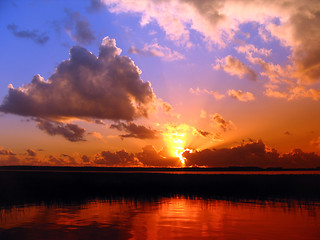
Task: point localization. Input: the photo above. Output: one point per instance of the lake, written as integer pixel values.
(164, 218)
(89, 205)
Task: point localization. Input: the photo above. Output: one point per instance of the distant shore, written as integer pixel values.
(21, 185)
(164, 169)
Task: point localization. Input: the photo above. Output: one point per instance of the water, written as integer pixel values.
(163, 218)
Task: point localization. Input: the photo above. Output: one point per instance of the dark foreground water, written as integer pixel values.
(165, 218)
(50, 205)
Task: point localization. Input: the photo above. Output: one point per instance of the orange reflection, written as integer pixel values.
(167, 218)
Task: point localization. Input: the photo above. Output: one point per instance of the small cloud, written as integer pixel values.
(96, 135)
(85, 159)
(6, 152)
(71, 132)
(78, 27)
(287, 133)
(157, 50)
(34, 35)
(316, 142)
(215, 94)
(31, 153)
(135, 131)
(95, 6)
(203, 114)
(221, 123)
(241, 96)
(235, 67)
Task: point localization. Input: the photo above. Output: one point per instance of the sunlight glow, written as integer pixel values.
(175, 137)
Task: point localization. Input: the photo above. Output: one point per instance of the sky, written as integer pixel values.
(160, 83)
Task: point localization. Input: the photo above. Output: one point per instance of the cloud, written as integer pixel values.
(31, 153)
(78, 27)
(96, 135)
(235, 67)
(7, 157)
(135, 131)
(34, 35)
(150, 157)
(86, 86)
(241, 96)
(215, 94)
(95, 6)
(157, 50)
(220, 122)
(203, 114)
(71, 132)
(287, 133)
(6, 152)
(295, 23)
(120, 158)
(316, 142)
(251, 154)
(85, 159)
(206, 134)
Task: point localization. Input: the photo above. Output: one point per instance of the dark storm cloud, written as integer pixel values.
(85, 86)
(78, 27)
(71, 132)
(251, 154)
(40, 38)
(135, 131)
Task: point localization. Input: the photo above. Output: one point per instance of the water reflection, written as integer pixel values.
(165, 218)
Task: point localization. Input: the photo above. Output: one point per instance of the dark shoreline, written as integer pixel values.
(151, 169)
(19, 187)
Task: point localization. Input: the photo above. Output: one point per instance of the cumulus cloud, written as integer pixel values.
(255, 153)
(69, 131)
(135, 131)
(214, 94)
(85, 86)
(241, 96)
(219, 122)
(34, 35)
(235, 67)
(78, 27)
(157, 50)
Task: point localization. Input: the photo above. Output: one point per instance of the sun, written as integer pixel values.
(175, 138)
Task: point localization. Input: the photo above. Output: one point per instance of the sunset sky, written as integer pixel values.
(160, 83)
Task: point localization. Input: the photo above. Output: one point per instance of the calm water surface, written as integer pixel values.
(165, 218)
